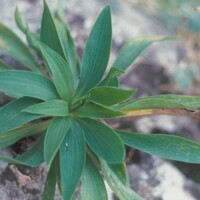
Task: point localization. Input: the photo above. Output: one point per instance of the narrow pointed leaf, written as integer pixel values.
(95, 110)
(61, 72)
(50, 183)
(11, 116)
(187, 101)
(6, 139)
(131, 50)
(112, 78)
(120, 171)
(96, 53)
(20, 21)
(33, 157)
(72, 158)
(12, 45)
(68, 47)
(127, 55)
(92, 183)
(114, 82)
(110, 95)
(166, 146)
(99, 137)
(57, 172)
(32, 39)
(24, 83)
(3, 65)
(163, 101)
(54, 137)
(49, 34)
(122, 191)
(49, 108)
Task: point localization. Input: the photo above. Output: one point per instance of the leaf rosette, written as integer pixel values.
(64, 102)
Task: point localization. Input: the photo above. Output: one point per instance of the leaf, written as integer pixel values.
(128, 54)
(186, 101)
(57, 171)
(60, 11)
(11, 116)
(131, 50)
(99, 137)
(122, 191)
(96, 53)
(163, 101)
(49, 34)
(32, 40)
(8, 138)
(110, 95)
(12, 45)
(58, 108)
(95, 110)
(120, 171)
(92, 183)
(54, 137)
(3, 65)
(69, 48)
(72, 158)
(50, 183)
(111, 78)
(166, 146)
(61, 72)
(20, 21)
(33, 157)
(114, 82)
(23, 83)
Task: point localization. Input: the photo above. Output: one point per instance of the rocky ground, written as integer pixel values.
(153, 73)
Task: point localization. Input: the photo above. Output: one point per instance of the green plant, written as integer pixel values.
(67, 102)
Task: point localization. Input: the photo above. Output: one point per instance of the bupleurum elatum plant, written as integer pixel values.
(63, 100)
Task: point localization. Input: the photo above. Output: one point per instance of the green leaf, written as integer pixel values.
(68, 47)
(122, 191)
(50, 183)
(92, 183)
(131, 50)
(114, 82)
(32, 40)
(61, 72)
(112, 78)
(60, 11)
(49, 34)
(95, 110)
(186, 101)
(6, 139)
(56, 108)
(57, 171)
(12, 45)
(72, 158)
(166, 146)
(3, 65)
(163, 101)
(120, 171)
(110, 95)
(12, 117)
(33, 157)
(99, 137)
(96, 53)
(20, 21)
(127, 55)
(54, 137)
(23, 83)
